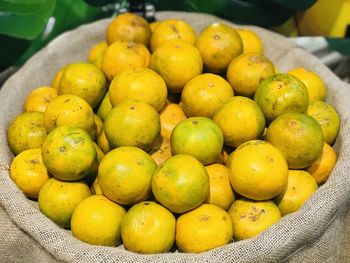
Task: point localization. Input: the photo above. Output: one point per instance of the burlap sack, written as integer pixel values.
(314, 234)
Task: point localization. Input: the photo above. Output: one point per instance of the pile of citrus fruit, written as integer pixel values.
(169, 140)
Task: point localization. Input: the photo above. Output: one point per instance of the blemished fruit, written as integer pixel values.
(250, 218)
(181, 183)
(301, 185)
(148, 228)
(39, 98)
(199, 137)
(97, 220)
(258, 170)
(206, 227)
(251, 41)
(298, 136)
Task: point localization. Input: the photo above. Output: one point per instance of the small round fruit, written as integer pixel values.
(327, 117)
(247, 71)
(57, 78)
(181, 183)
(132, 123)
(172, 29)
(69, 153)
(323, 166)
(163, 153)
(220, 191)
(28, 172)
(204, 94)
(84, 80)
(251, 41)
(250, 218)
(125, 174)
(170, 116)
(202, 229)
(26, 131)
(129, 27)
(166, 61)
(258, 170)
(39, 98)
(104, 107)
(97, 220)
(219, 44)
(122, 56)
(102, 142)
(301, 185)
(314, 84)
(96, 53)
(240, 119)
(97, 128)
(69, 109)
(298, 136)
(57, 200)
(148, 228)
(141, 84)
(281, 93)
(199, 137)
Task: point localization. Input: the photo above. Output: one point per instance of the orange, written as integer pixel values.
(129, 27)
(163, 153)
(102, 142)
(122, 56)
(204, 94)
(148, 228)
(247, 71)
(132, 123)
(298, 136)
(172, 29)
(141, 84)
(181, 183)
(104, 107)
(57, 78)
(166, 61)
(240, 119)
(170, 116)
(251, 41)
(96, 53)
(219, 44)
(153, 25)
(202, 229)
(258, 170)
(39, 98)
(199, 137)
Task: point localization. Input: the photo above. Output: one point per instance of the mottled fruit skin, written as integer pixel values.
(69, 153)
(298, 136)
(281, 93)
(39, 98)
(181, 183)
(199, 137)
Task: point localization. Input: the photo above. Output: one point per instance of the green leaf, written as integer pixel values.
(11, 49)
(296, 4)
(24, 18)
(341, 45)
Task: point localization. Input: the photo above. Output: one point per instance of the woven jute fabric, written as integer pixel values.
(316, 233)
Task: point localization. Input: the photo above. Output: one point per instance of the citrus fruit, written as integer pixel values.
(220, 191)
(69, 153)
(204, 94)
(28, 172)
(97, 128)
(69, 109)
(298, 136)
(148, 228)
(57, 78)
(251, 41)
(163, 153)
(141, 84)
(102, 142)
(84, 80)
(258, 170)
(219, 44)
(124, 175)
(153, 25)
(95, 187)
(166, 61)
(132, 123)
(281, 93)
(172, 29)
(170, 116)
(104, 107)
(199, 137)
(129, 27)
(96, 53)
(327, 117)
(247, 71)
(204, 228)
(301, 185)
(314, 84)
(39, 98)
(240, 119)
(181, 183)
(323, 166)
(250, 217)
(26, 131)
(97, 220)
(121, 56)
